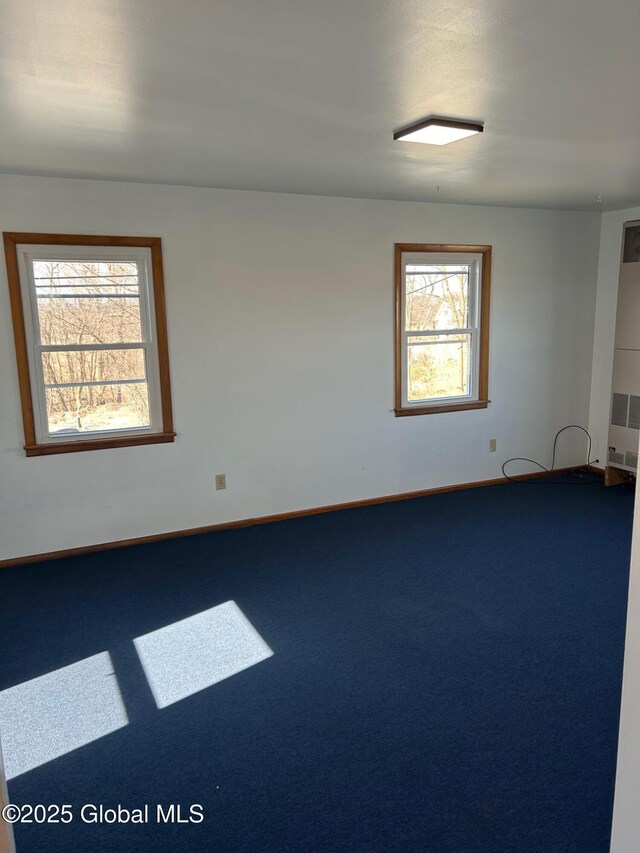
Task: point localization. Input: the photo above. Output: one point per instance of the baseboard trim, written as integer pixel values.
(268, 519)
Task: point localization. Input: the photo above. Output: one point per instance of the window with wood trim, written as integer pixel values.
(91, 341)
(442, 327)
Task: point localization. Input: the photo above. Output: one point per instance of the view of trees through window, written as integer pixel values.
(89, 314)
(437, 309)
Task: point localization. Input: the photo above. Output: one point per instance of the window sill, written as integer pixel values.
(97, 444)
(434, 410)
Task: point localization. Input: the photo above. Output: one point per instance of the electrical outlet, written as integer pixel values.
(492, 444)
(221, 481)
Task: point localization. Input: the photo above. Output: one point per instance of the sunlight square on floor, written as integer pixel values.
(53, 714)
(195, 653)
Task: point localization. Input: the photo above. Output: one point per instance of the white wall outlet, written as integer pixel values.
(221, 481)
(492, 444)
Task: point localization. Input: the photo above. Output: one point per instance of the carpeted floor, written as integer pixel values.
(445, 677)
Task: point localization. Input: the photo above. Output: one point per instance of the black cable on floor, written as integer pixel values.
(594, 478)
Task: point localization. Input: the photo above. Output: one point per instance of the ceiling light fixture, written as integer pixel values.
(438, 131)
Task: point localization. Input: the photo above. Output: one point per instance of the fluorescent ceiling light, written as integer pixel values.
(438, 131)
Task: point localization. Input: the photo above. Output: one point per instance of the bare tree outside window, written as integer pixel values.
(437, 297)
(91, 303)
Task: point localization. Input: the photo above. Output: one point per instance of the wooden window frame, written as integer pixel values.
(12, 239)
(482, 401)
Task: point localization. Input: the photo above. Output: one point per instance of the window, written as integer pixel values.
(442, 328)
(91, 341)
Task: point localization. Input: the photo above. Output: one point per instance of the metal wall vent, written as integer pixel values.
(634, 412)
(619, 409)
(616, 458)
(631, 459)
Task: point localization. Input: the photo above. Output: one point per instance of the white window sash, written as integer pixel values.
(474, 262)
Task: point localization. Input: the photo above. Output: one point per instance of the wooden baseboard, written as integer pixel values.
(617, 476)
(268, 519)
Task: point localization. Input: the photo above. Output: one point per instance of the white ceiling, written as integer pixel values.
(303, 96)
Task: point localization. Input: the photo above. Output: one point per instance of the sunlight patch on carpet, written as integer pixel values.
(190, 655)
(56, 713)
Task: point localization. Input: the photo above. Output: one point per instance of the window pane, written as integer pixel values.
(92, 366)
(438, 367)
(90, 408)
(87, 302)
(437, 297)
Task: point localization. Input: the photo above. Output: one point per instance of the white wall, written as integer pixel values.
(7, 844)
(605, 327)
(626, 814)
(281, 339)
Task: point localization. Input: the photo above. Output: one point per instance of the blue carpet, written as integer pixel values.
(446, 677)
